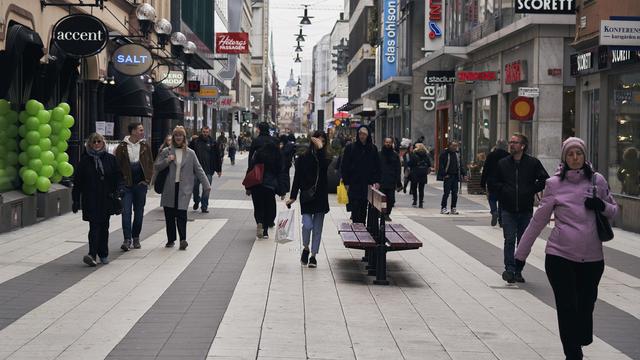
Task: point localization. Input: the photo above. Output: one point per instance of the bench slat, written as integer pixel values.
(358, 227)
(365, 238)
(410, 241)
(345, 226)
(394, 239)
(397, 227)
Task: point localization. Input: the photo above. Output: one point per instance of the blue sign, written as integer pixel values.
(389, 39)
(132, 59)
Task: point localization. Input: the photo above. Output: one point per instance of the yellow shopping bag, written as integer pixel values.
(343, 198)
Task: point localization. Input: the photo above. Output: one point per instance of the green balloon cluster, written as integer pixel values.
(8, 145)
(44, 142)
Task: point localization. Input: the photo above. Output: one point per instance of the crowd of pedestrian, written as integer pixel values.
(578, 197)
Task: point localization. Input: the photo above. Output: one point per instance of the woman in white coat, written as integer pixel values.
(183, 167)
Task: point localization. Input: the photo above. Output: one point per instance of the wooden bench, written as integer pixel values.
(377, 238)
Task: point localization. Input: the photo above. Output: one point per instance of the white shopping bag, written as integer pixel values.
(285, 226)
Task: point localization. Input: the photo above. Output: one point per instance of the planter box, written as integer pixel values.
(55, 202)
(17, 210)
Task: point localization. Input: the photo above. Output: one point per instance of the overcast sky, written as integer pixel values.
(284, 23)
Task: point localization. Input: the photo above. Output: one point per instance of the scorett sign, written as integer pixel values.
(562, 7)
(80, 35)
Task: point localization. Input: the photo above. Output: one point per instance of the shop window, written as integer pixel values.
(483, 123)
(568, 112)
(593, 118)
(624, 114)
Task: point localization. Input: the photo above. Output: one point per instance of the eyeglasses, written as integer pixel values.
(97, 141)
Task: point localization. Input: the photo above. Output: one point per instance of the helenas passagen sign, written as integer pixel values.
(232, 43)
(80, 35)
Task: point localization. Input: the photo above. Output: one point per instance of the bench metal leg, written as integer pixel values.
(381, 266)
(371, 262)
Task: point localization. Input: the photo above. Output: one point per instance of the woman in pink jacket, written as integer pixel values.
(574, 262)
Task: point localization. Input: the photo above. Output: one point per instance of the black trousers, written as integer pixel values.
(391, 198)
(174, 217)
(451, 184)
(358, 210)
(575, 287)
(264, 206)
(99, 238)
(417, 189)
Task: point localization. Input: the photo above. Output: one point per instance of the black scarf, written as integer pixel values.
(97, 158)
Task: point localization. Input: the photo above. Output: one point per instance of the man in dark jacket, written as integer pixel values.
(135, 160)
(518, 177)
(360, 168)
(490, 165)
(208, 154)
(390, 179)
(451, 170)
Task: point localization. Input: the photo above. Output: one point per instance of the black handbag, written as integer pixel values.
(161, 178)
(114, 204)
(309, 194)
(605, 232)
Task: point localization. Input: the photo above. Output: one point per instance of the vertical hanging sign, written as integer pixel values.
(434, 25)
(389, 39)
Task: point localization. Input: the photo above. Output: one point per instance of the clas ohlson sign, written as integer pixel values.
(389, 39)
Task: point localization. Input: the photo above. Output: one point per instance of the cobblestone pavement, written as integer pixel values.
(230, 296)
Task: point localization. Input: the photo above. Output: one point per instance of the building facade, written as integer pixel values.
(608, 102)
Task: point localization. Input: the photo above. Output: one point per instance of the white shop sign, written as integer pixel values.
(530, 92)
(620, 33)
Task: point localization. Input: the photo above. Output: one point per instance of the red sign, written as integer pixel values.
(554, 72)
(522, 108)
(515, 72)
(232, 43)
(476, 76)
(193, 85)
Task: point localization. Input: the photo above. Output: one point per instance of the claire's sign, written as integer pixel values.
(132, 59)
(232, 43)
(80, 35)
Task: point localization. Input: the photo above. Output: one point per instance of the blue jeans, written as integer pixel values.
(134, 199)
(494, 205)
(196, 193)
(312, 223)
(513, 226)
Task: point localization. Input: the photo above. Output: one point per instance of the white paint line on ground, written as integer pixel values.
(616, 287)
(89, 319)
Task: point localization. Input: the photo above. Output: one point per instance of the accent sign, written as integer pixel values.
(132, 59)
(232, 43)
(80, 35)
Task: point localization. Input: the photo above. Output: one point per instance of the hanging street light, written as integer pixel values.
(298, 47)
(306, 19)
(146, 15)
(299, 36)
(163, 30)
(297, 59)
(298, 83)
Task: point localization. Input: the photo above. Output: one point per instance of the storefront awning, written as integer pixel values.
(130, 96)
(166, 104)
(445, 58)
(347, 107)
(22, 45)
(390, 86)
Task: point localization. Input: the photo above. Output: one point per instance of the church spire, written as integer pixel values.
(291, 75)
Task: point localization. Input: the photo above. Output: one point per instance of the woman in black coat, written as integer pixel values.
(97, 187)
(310, 180)
(420, 167)
(264, 150)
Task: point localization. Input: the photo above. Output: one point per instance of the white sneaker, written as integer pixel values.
(444, 211)
(454, 211)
